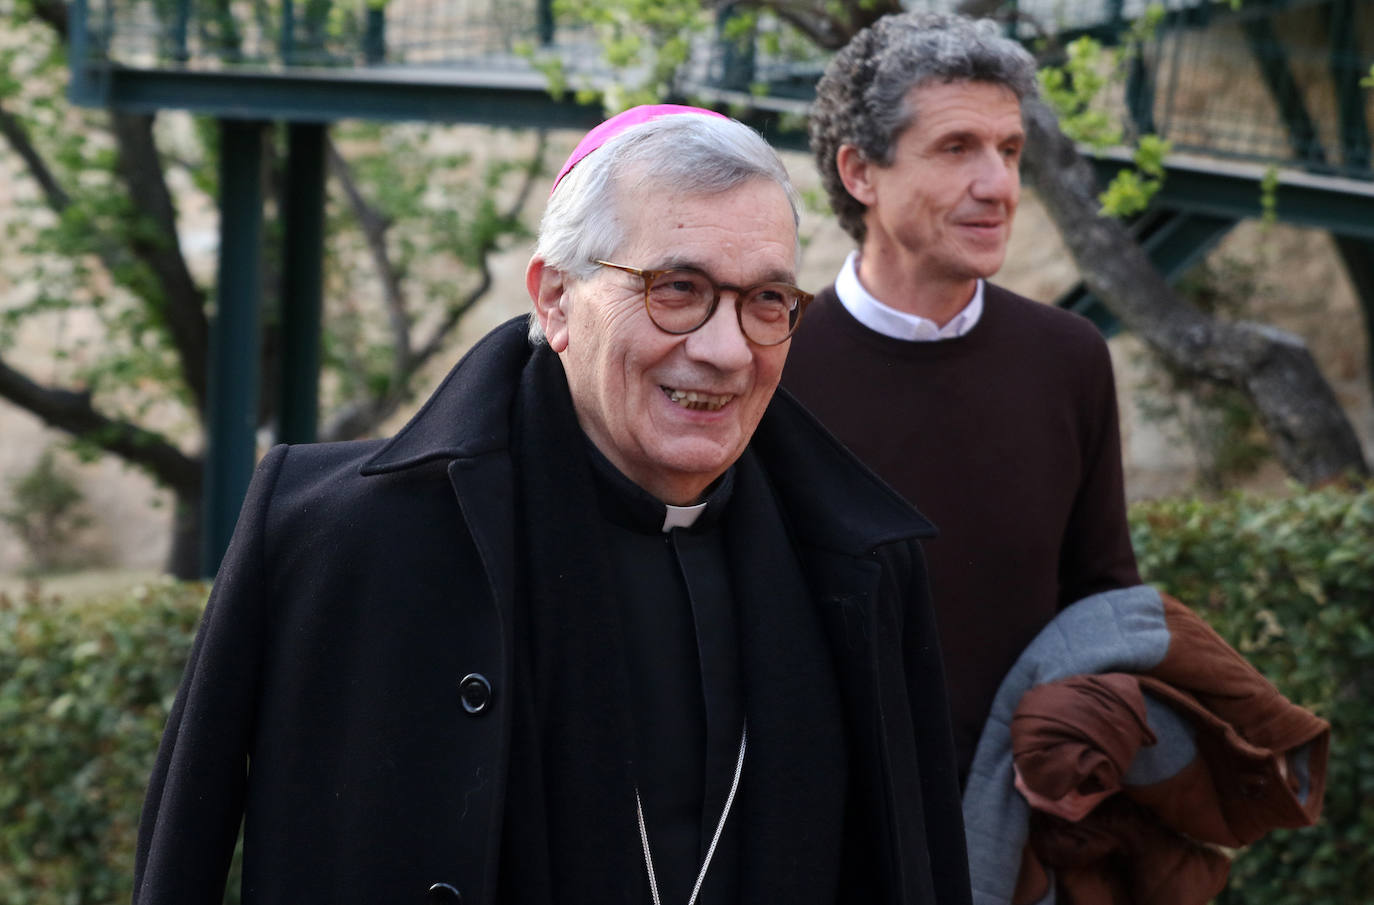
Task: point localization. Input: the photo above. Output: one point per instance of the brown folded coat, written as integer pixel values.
(1156, 844)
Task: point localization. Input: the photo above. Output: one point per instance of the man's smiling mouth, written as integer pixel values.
(696, 401)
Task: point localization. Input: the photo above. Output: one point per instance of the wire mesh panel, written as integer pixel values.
(226, 33)
(1237, 90)
(1273, 81)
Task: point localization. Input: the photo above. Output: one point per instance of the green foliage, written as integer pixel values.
(437, 207)
(1147, 26)
(1071, 88)
(1131, 190)
(651, 38)
(45, 512)
(84, 691)
(1269, 195)
(1074, 88)
(1368, 81)
(99, 277)
(551, 67)
(648, 43)
(1290, 583)
(85, 688)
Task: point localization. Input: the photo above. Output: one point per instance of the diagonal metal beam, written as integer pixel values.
(1271, 57)
(1173, 240)
(1345, 77)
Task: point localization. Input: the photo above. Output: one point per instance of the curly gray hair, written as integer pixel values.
(861, 98)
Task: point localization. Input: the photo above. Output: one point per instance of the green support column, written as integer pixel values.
(231, 422)
(546, 24)
(374, 36)
(1346, 73)
(287, 40)
(302, 282)
(735, 68)
(180, 23)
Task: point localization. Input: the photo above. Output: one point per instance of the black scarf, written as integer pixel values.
(570, 832)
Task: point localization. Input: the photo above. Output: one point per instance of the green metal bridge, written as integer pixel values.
(1274, 81)
(1237, 89)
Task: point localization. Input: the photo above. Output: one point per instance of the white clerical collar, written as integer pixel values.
(681, 516)
(888, 321)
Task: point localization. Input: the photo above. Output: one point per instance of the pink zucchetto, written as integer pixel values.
(619, 123)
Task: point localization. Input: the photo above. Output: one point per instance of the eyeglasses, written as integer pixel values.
(682, 299)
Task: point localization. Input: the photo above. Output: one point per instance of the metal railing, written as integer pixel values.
(258, 33)
(1277, 81)
(1238, 89)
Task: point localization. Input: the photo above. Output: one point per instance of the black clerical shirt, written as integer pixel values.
(686, 693)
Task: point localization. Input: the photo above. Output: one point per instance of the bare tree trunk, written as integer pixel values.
(1311, 436)
(72, 411)
(183, 559)
(182, 306)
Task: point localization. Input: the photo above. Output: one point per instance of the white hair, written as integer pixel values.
(688, 153)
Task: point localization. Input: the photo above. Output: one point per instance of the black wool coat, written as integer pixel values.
(346, 697)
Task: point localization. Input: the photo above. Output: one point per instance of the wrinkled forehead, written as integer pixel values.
(753, 217)
(936, 85)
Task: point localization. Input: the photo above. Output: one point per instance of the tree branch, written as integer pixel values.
(18, 137)
(439, 336)
(826, 26)
(53, 13)
(374, 226)
(183, 309)
(1312, 437)
(183, 303)
(356, 419)
(533, 168)
(531, 172)
(359, 418)
(72, 412)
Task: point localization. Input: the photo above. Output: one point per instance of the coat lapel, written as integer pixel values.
(836, 523)
(466, 422)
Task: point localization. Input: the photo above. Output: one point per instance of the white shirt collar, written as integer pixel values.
(888, 321)
(681, 516)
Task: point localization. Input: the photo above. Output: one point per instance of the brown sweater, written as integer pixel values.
(1006, 438)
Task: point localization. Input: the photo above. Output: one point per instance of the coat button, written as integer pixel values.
(443, 894)
(475, 693)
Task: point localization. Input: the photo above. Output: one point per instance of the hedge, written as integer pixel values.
(85, 686)
(84, 691)
(1290, 583)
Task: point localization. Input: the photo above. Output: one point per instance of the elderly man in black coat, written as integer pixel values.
(606, 622)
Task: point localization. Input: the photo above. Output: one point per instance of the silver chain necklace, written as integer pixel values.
(720, 827)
